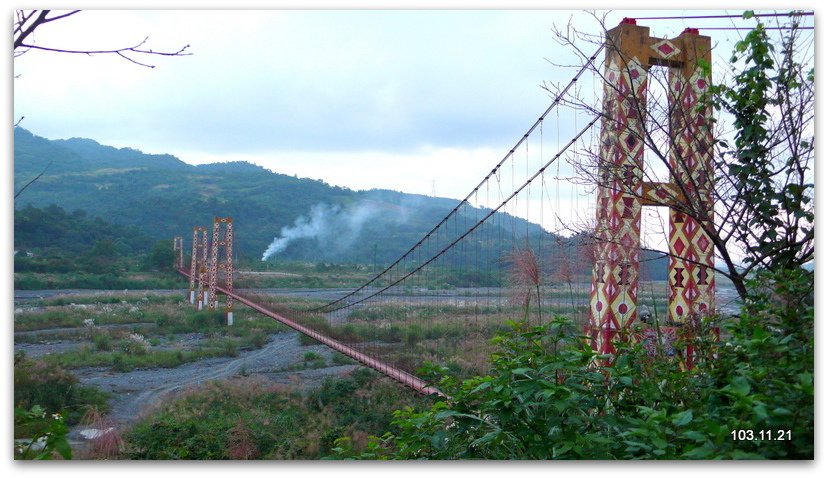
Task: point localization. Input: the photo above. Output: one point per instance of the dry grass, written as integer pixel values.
(525, 280)
(241, 444)
(108, 444)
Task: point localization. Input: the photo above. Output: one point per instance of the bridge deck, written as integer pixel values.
(401, 376)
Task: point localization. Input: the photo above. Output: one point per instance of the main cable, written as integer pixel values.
(493, 172)
(479, 223)
(700, 17)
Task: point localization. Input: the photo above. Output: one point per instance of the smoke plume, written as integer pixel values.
(332, 227)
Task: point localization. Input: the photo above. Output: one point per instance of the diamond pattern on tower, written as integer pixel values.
(615, 283)
(666, 49)
(687, 239)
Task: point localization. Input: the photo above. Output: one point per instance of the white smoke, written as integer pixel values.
(331, 226)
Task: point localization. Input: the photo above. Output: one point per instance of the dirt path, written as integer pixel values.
(134, 392)
(138, 392)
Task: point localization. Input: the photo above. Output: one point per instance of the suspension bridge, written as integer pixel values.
(556, 227)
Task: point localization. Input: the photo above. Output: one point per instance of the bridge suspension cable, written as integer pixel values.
(468, 231)
(710, 17)
(558, 98)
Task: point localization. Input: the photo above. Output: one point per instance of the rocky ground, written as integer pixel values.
(135, 393)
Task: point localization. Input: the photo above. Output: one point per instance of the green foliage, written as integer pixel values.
(110, 281)
(40, 383)
(158, 319)
(56, 229)
(133, 356)
(311, 356)
(56, 390)
(160, 257)
(102, 341)
(46, 435)
(250, 418)
(339, 359)
(769, 163)
(547, 398)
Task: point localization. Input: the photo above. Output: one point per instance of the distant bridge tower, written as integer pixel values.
(178, 252)
(222, 246)
(198, 266)
(630, 54)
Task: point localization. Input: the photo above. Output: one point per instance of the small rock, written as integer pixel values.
(93, 433)
(37, 445)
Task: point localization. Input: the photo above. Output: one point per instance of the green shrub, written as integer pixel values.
(42, 383)
(413, 334)
(248, 417)
(102, 341)
(230, 348)
(119, 363)
(311, 356)
(134, 344)
(339, 359)
(258, 339)
(56, 390)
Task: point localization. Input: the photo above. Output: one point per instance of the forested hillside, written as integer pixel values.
(156, 197)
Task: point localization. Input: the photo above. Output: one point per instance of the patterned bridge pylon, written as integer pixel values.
(622, 192)
(178, 252)
(198, 266)
(221, 261)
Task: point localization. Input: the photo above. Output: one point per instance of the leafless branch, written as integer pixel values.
(28, 21)
(20, 191)
(728, 225)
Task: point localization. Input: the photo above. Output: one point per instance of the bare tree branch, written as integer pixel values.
(731, 225)
(28, 22)
(20, 191)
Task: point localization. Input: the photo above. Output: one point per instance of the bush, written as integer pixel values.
(246, 418)
(339, 359)
(135, 344)
(45, 435)
(258, 339)
(311, 356)
(102, 341)
(41, 383)
(54, 389)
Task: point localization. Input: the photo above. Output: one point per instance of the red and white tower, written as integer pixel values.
(222, 247)
(198, 266)
(630, 55)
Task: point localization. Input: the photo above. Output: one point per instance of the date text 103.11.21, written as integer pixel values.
(761, 435)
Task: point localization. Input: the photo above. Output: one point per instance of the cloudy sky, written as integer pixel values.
(419, 101)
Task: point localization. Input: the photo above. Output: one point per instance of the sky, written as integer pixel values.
(358, 99)
(419, 101)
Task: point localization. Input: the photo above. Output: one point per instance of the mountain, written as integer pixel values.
(163, 196)
(159, 196)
